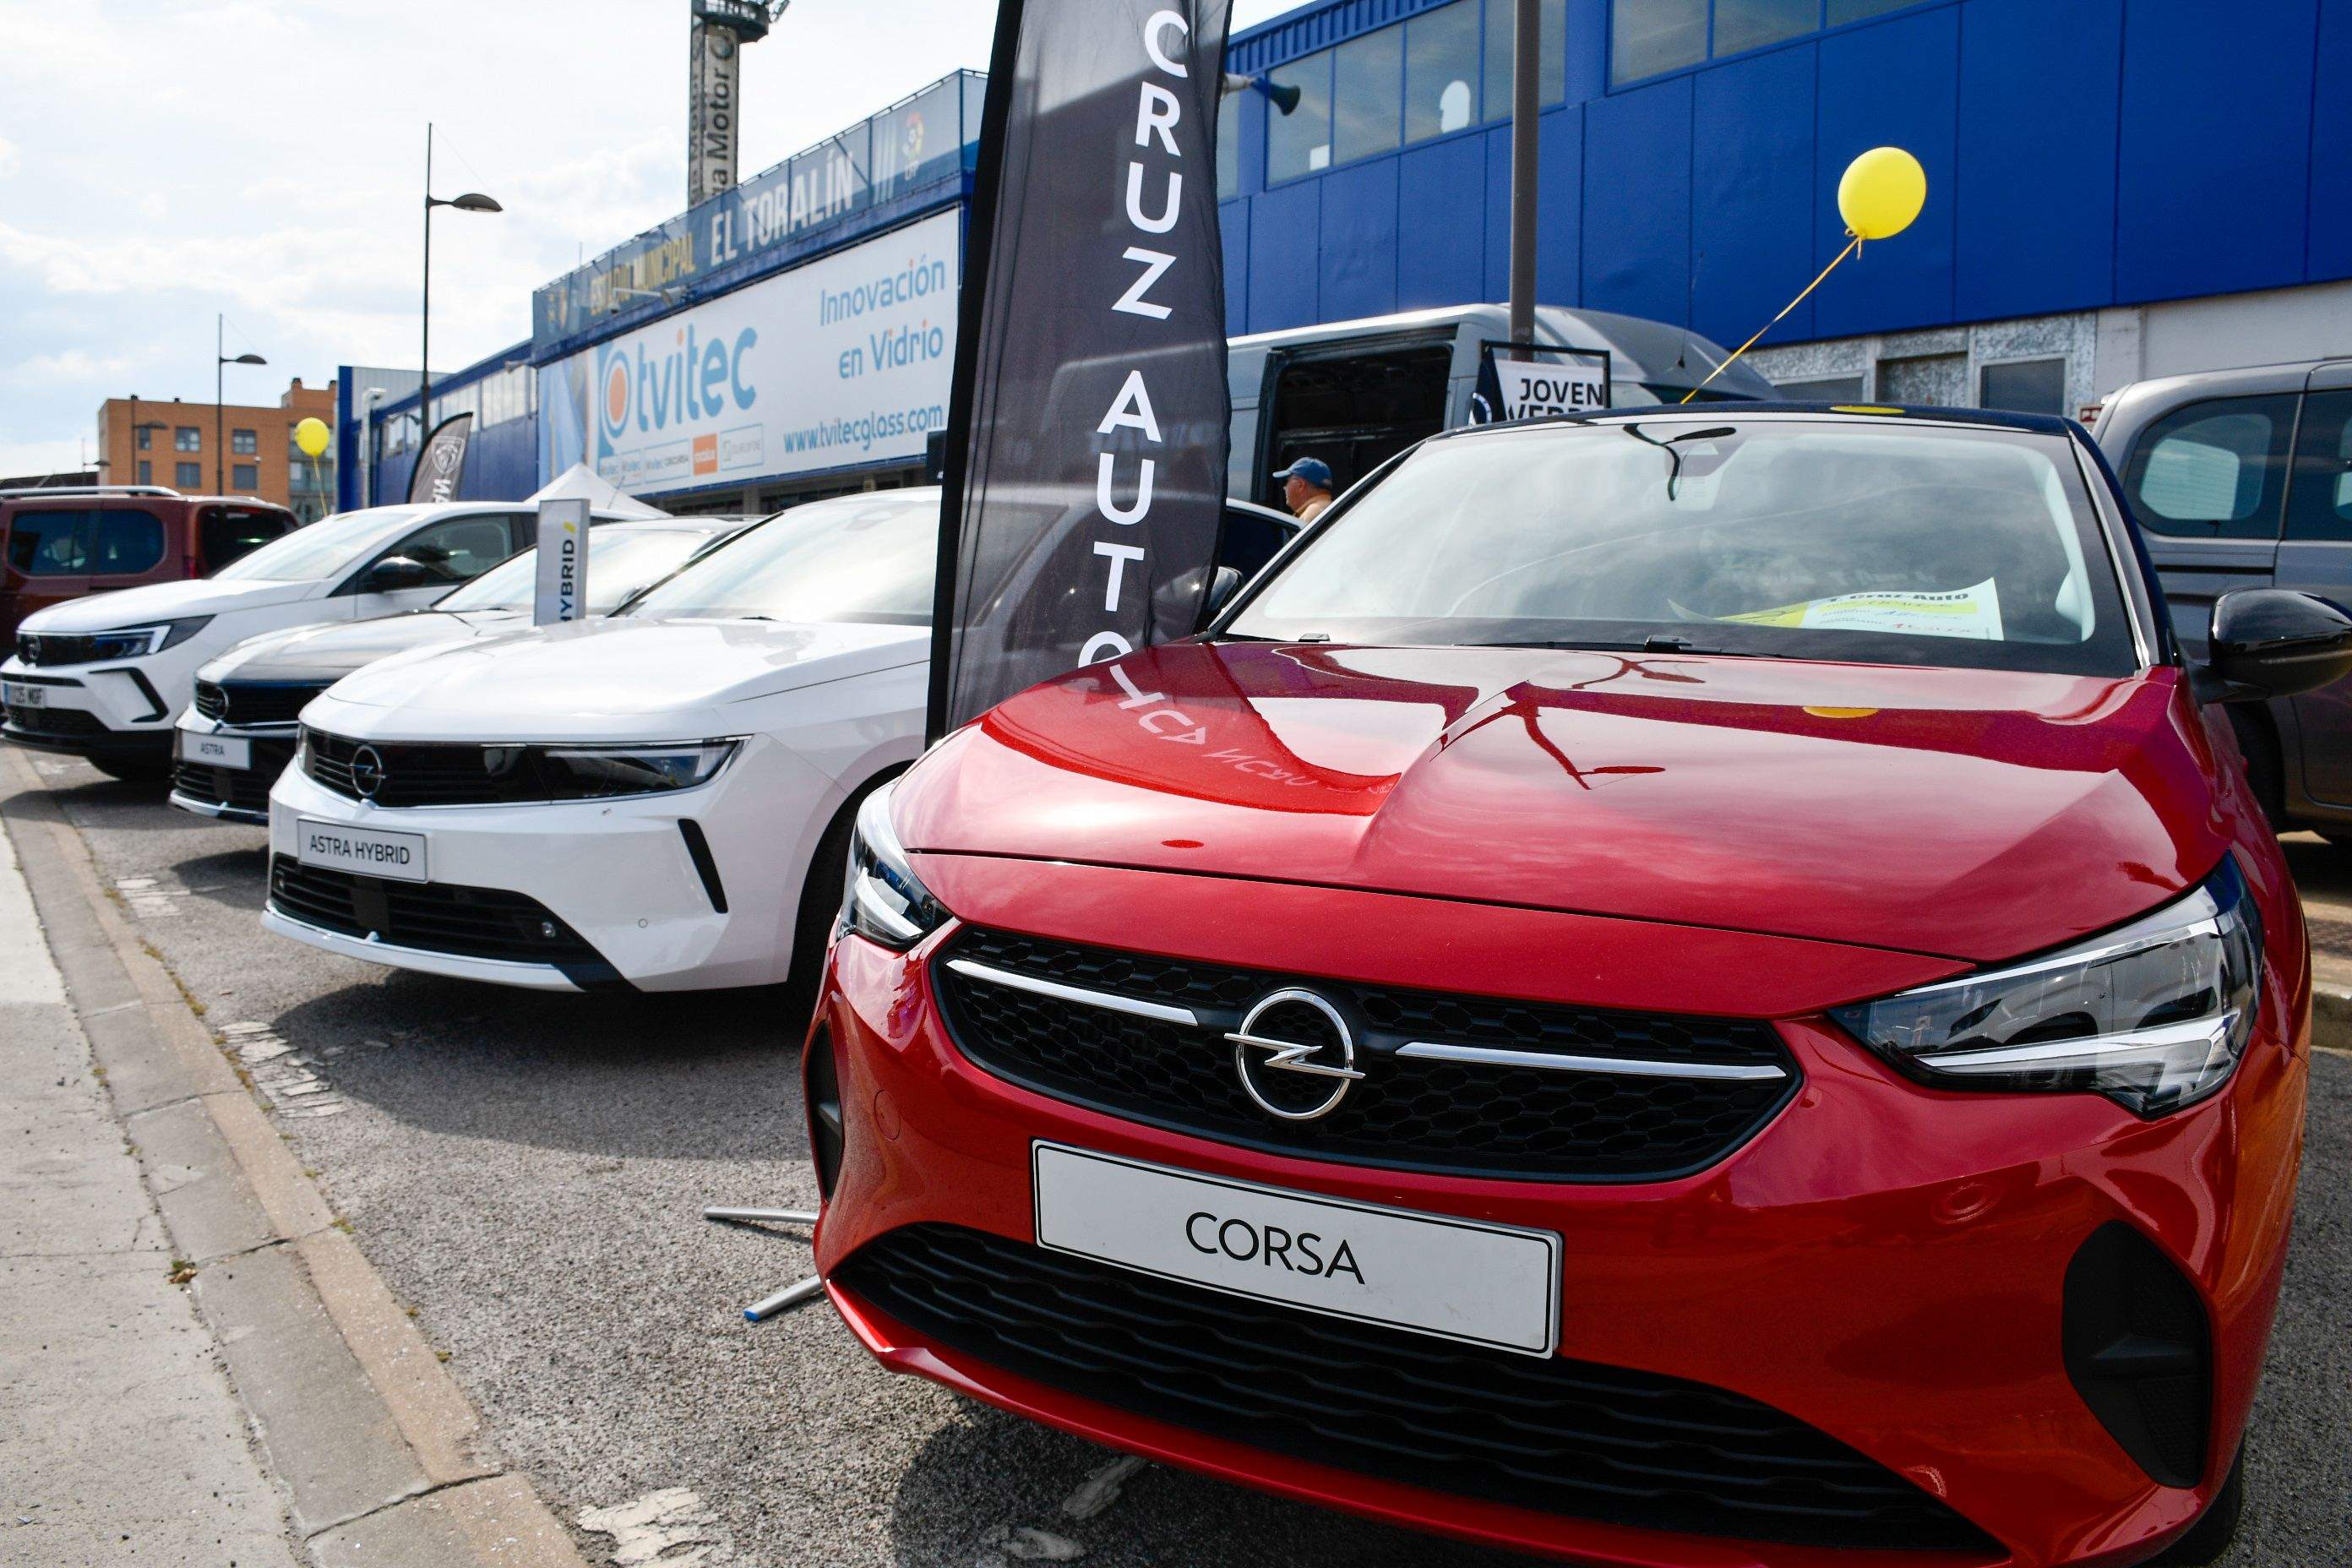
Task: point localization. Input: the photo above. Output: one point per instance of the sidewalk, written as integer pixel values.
(123, 1442)
(209, 1372)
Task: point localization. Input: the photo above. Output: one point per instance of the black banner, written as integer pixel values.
(1086, 439)
(442, 462)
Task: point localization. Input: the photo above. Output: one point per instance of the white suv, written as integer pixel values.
(105, 678)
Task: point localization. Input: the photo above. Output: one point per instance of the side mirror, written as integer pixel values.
(393, 573)
(1221, 589)
(2270, 642)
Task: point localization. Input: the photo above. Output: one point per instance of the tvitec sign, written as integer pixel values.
(643, 390)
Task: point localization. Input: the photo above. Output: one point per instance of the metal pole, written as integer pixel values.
(220, 366)
(1525, 78)
(771, 1216)
(425, 349)
(790, 1296)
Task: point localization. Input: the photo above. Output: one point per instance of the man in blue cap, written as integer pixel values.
(1306, 488)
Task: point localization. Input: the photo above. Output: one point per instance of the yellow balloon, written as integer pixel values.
(1881, 193)
(312, 436)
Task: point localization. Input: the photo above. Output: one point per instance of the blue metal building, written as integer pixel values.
(2117, 187)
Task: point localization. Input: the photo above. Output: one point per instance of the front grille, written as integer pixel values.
(430, 775)
(1565, 1437)
(243, 789)
(55, 723)
(249, 702)
(1406, 1113)
(433, 917)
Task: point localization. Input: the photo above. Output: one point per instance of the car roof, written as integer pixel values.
(1845, 413)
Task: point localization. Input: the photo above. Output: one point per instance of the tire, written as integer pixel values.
(134, 770)
(2210, 1536)
(821, 899)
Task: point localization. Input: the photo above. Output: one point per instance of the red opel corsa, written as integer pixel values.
(1688, 987)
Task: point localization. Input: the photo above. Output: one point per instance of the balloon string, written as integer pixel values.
(1855, 245)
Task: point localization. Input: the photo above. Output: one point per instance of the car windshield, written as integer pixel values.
(1854, 540)
(621, 561)
(851, 560)
(326, 549)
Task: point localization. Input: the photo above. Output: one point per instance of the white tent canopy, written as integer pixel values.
(580, 482)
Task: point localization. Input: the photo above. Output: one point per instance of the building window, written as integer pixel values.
(1367, 81)
(1649, 37)
(187, 438)
(1440, 70)
(140, 437)
(244, 443)
(1844, 11)
(2026, 386)
(1299, 142)
(146, 471)
(1752, 24)
(190, 476)
(1822, 389)
(1502, 38)
(1229, 152)
(245, 478)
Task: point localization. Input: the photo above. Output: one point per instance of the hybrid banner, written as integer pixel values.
(1086, 442)
(562, 581)
(843, 363)
(442, 463)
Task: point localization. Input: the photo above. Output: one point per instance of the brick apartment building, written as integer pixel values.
(146, 442)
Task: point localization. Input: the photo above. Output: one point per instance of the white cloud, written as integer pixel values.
(10, 159)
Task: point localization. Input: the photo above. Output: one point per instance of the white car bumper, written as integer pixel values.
(565, 895)
(120, 706)
(226, 771)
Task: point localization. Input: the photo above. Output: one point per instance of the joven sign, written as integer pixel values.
(1091, 410)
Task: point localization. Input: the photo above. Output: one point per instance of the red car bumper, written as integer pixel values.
(1881, 1262)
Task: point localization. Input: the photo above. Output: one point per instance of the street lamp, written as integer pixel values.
(471, 202)
(219, 360)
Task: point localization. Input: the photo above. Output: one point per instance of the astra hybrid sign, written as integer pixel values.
(1086, 451)
(842, 362)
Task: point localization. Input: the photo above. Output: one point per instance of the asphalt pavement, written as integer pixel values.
(527, 1172)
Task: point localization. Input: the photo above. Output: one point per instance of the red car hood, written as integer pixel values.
(1968, 813)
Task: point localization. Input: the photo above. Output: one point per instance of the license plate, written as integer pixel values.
(1458, 1279)
(369, 851)
(18, 695)
(218, 751)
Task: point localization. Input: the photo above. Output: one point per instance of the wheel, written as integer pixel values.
(821, 901)
(134, 770)
(2210, 1536)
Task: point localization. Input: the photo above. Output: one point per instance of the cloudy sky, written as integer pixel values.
(161, 161)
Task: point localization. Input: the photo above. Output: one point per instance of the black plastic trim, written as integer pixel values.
(2138, 1349)
(706, 865)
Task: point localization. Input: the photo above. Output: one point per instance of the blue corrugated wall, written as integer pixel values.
(501, 464)
(2079, 153)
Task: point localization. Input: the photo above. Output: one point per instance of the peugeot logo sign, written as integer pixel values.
(1295, 1056)
(367, 772)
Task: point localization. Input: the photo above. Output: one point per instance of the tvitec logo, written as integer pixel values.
(640, 391)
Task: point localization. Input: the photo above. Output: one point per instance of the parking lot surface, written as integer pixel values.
(528, 1173)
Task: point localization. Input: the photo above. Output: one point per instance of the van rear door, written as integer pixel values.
(2315, 556)
(224, 534)
(1354, 403)
(47, 561)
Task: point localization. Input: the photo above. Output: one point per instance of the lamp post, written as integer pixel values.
(221, 361)
(471, 202)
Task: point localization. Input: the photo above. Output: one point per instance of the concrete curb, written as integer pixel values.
(372, 1440)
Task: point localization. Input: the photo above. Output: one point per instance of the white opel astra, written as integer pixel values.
(659, 800)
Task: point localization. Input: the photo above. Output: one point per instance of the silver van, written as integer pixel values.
(2242, 478)
(1355, 393)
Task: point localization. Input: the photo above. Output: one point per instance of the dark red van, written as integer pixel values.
(64, 543)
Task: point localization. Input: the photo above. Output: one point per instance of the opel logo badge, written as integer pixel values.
(1295, 1056)
(367, 772)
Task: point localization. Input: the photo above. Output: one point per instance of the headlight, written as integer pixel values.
(138, 642)
(882, 898)
(2154, 1015)
(600, 772)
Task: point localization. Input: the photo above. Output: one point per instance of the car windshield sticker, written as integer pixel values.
(1972, 613)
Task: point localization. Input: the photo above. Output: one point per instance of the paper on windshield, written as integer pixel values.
(1973, 613)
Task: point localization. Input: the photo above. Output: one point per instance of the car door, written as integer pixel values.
(2206, 480)
(47, 561)
(2315, 556)
(452, 549)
